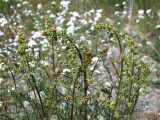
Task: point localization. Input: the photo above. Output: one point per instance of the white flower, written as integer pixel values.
(1, 33)
(137, 21)
(26, 103)
(107, 84)
(118, 23)
(25, 2)
(63, 47)
(65, 70)
(39, 6)
(70, 23)
(157, 26)
(52, 15)
(82, 38)
(1, 103)
(158, 12)
(148, 11)
(1, 80)
(73, 19)
(97, 71)
(117, 13)
(124, 12)
(123, 3)
(48, 11)
(45, 63)
(44, 41)
(99, 10)
(149, 43)
(116, 5)
(98, 14)
(70, 30)
(65, 4)
(36, 34)
(53, 3)
(94, 60)
(18, 5)
(140, 12)
(75, 14)
(91, 11)
(3, 21)
(58, 28)
(83, 22)
(32, 43)
(6, 0)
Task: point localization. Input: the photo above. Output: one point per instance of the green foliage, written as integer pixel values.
(43, 99)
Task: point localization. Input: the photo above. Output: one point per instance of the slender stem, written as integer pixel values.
(14, 80)
(120, 77)
(85, 94)
(73, 94)
(38, 93)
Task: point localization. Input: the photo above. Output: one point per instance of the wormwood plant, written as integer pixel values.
(66, 88)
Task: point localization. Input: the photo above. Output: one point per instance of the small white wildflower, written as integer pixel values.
(158, 12)
(65, 4)
(52, 15)
(82, 38)
(70, 23)
(116, 5)
(6, 0)
(140, 12)
(58, 28)
(53, 3)
(36, 34)
(39, 6)
(123, 3)
(118, 23)
(148, 11)
(45, 63)
(137, 21)
(124, 12)
(70, 30)
(149, 43)
(72, 18)
(139, 45)
(92, 11)
(1, 80)
(3, 22)
(83, 22)
(157, 26)
(107, 84)
(48, 11)
(20, 26)
(75, 14)
(65, 70)
(97, 71)
(1, 33)
(32, 43)
(108, 20)
(18, 5)
(25, 3)
(98, 14)
(26, 103)
(1, 103)
(63, 47)
(117, 13)
(44, 41)
(99, 10)
(94, 60)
